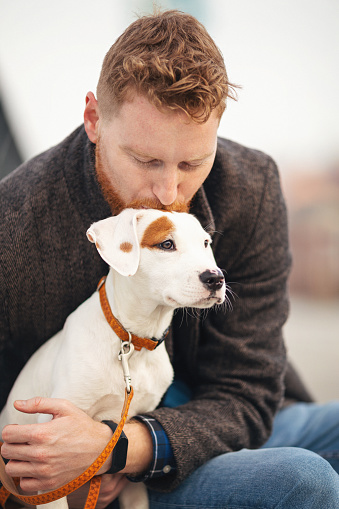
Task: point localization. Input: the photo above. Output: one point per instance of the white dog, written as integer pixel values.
(159, 261)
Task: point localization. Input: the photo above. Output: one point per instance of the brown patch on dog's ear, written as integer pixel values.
(157, 232)
(126, 247)
(97, 245)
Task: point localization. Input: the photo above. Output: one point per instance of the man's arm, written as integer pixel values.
(49, 459)
(48, 455)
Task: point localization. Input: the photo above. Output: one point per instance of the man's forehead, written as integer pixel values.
(140, 125)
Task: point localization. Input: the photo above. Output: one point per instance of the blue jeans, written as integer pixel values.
(288, 472)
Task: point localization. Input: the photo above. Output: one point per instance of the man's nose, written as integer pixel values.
(166, 186)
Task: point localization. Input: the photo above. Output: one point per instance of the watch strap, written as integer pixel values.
(119, 453)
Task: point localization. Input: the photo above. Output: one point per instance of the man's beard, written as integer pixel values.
(112, 197)
(115, 201)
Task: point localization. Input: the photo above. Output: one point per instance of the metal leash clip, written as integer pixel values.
(127, 349)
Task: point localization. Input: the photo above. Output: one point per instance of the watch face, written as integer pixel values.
(119, 454)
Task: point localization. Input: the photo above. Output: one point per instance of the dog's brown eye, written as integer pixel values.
(167, 245)
(206, 243)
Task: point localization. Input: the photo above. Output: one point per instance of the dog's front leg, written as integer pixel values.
(134, 496)
(57, 504)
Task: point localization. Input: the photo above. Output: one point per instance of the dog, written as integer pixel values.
(159, 261)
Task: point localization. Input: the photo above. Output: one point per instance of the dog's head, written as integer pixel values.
(169, 252)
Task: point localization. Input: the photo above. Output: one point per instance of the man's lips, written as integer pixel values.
(150, 203)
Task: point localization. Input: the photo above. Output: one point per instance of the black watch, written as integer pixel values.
(119, 454)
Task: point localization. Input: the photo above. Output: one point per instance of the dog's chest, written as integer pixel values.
(151, 374)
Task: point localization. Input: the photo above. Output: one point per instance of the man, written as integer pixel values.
(150, 139)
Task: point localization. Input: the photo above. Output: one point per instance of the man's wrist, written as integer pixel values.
(163, 462)
(140, 449)
(149, 452)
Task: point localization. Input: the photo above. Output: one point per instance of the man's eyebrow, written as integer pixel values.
(201, 158)
(139, 153)
(132, 151)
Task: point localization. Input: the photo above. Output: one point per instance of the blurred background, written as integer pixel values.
(285, 56)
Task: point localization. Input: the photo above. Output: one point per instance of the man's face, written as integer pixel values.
(158, 158)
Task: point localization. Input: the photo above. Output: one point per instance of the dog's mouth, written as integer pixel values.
(206, 302)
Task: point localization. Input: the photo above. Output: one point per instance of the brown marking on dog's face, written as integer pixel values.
(157, 232)
(126, 247)
(97, 245)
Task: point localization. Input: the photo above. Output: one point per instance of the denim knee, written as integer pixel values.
(306, 476)
(272, 478)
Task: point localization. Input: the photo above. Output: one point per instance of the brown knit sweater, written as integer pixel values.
(234, 361)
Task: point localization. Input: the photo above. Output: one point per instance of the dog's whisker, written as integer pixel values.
(182, 315)
(230, 296)
(204, 314)
(192, 312)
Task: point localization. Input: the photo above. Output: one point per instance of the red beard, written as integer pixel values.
(117, 204)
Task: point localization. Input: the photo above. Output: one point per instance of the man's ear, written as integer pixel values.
(91, 117)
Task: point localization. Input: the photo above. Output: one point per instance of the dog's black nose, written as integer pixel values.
(212, 279)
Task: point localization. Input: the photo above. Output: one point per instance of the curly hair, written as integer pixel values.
(170, 58)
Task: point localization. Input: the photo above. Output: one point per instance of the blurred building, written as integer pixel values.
(313, 203)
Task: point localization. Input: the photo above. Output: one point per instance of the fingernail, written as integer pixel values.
(21, 402)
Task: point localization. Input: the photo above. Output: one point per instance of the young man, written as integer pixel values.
(150, 139)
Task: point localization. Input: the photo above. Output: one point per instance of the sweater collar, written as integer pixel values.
(200, 207)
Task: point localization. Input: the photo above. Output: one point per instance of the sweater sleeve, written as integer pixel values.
(4, 333)
(234, 359)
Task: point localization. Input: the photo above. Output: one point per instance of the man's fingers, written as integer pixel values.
(53, 452)
(18, 468)
(33, 485)
(14, 434)
(28, 433)
(16, 453)
(53, 406)
(31, 434)
(111, 486)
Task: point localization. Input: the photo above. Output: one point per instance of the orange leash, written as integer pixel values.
(9, 487)
(93, 493)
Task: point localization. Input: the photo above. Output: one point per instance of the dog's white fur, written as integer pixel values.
(144, 286)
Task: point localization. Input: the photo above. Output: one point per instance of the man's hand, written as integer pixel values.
(48, 455)
(111, 486)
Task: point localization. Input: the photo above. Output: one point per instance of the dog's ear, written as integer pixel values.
(117, 242)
